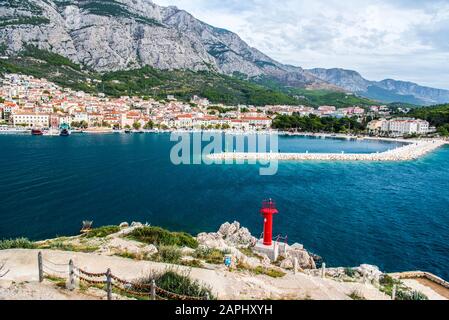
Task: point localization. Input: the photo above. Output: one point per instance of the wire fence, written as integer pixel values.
(107, 281)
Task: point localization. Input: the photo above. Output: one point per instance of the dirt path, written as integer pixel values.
(226, 285)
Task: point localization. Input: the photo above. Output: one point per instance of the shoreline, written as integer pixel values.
(132, 257)
(414, 150)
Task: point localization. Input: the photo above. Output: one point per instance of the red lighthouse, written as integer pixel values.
(268, 210)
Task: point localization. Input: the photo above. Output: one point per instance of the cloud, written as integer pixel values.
(403, 39)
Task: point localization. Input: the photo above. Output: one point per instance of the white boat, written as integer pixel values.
(51, 132)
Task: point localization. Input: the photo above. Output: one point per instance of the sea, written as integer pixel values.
(392, 214)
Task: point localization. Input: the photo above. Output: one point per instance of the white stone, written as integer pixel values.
(124, 225)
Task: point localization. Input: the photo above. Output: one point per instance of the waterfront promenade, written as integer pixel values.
(412, 151)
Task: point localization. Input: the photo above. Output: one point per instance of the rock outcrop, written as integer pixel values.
(297, 251)
(228, 236)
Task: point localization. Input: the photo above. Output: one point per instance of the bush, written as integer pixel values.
(162, 237)
(20, 243)
(168, 254)
(192, 263)
(212, 256)
(102, 232)
(178, 283)
(413, 295)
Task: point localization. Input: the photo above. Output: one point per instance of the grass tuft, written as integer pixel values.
(168, 254)
(19, 243)
(162, 237)
(178, 282)
(102, 232)
(212, 256)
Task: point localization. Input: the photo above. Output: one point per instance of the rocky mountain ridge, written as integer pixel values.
(113, 35)
(387, 90)
(128, 34)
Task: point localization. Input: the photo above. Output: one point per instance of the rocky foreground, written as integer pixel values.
(251, 276)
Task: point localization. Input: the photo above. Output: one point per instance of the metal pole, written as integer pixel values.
(71, 275)
(40, 266)
(109, 284)
(153, 290)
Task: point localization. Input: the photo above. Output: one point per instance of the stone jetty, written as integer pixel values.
(413, 150)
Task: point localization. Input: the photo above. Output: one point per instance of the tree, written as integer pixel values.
(444, 130)
(137, 125)
(83, 124)
(149, 125)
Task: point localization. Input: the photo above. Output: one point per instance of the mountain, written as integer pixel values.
(106, 36)
(386, 90)
(128, 34)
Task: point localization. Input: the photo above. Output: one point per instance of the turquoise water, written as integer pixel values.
(394, 215)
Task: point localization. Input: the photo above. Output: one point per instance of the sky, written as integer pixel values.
(399, 39)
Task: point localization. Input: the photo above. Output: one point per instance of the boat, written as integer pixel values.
(64, 133)
(64, 130)
(127, 131)
(51, 132)
(37, 132)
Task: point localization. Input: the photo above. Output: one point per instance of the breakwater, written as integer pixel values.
(412, 151)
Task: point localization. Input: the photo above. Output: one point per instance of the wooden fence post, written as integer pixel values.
(109, 284)
(40, 266)
(153, 290)
(71, 276)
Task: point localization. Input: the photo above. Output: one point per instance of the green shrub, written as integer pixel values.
(212, 256)
(20, 243)
(102, 232)
(168, 254)
(179, 283)
(192, 263)
(162, 237)
(269, 272)
(411, 295)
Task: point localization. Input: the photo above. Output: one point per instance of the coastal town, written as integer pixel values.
(28, 103)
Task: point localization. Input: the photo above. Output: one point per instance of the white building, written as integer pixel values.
(401, 127)
(31, 119)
